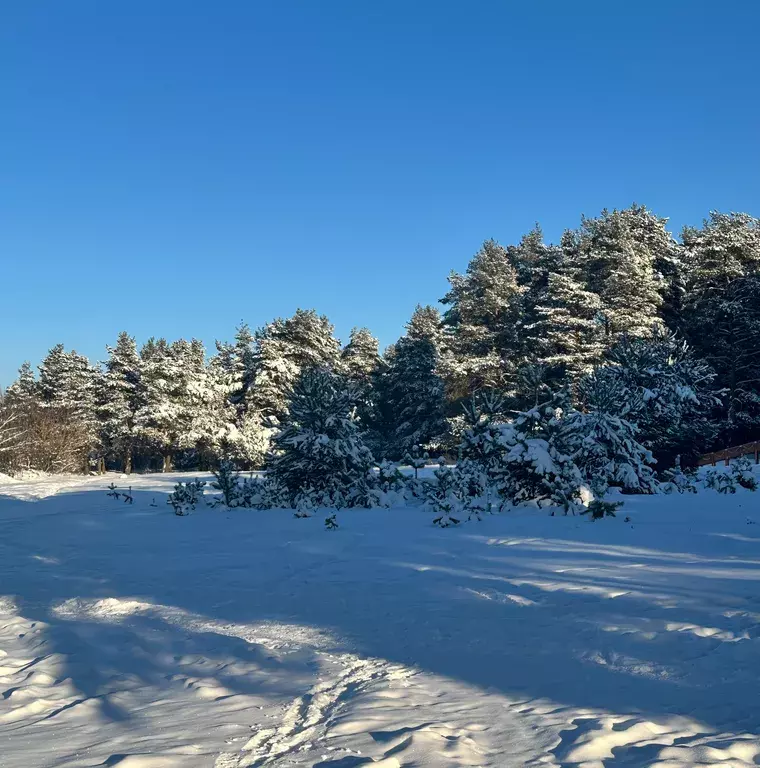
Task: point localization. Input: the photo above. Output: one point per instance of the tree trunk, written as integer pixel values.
(102, 465)
(167, 462)
(128, 463)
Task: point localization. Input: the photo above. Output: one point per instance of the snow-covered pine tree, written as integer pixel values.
(242, 433)
(412, 396)
(361, 357)
(363, 368)
(677, 479)
(565, 333)
(284, 348)
(618, 263)
(442, 497)
(164, 420)
(24, 391)
(212, 416)
(155, 416)
(487, 438)
(725, 248)
(235, 365)
(121, 398)
(18, 406)
(68, 387)
(54, 376)
(534, 262)
(68, 381)
(199, 415)
(533, 259)
(319, 446)
(650, 232)
(534, 383)
(604, 442)
(722, 314)
(10, 435)
(540, 464)
(672, 394)
(481, 323)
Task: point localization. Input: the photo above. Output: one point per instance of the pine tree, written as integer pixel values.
(19, 407)
(722, 314)
(235, 365)
(566, 333)
(361, 357)
(24, 391)
(248, 440)
(236, 428)
(68, 381)
(618, 257)
(283, 349)
(319, 448)
(484, 308)
(121, 399)
(23, 396)
(68, 387)
(363, 368)
(669, 393)
(533, 260)
(540, 463)
(607, 449)
(443, 499)
(164, 420)
(487, 438)
(650, 231)
(412, 396)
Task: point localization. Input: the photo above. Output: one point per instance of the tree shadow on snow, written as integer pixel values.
(618, 628)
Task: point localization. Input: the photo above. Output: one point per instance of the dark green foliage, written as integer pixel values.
(600, 508)
(320, 447)
(664, 389)
(186, 496)
(666, 334)
(442, 497)
(742, 470)
(227, 481)
(412, 390)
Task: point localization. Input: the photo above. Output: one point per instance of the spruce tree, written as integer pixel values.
(24, 391)
(163, 420)
(607, 447)
(68, 386)
(670, 394)
(363, 368)
(412, 391)
(236, 428)
(722, 314)
(566, 333)
(481, 322)
(319, 450)
(19, 409)
(361, 357)
(618, 257)
(121, 399)
(283, 349)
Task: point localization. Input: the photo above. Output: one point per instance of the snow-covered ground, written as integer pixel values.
(130, 637)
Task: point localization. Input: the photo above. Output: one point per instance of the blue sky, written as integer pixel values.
(171, 168)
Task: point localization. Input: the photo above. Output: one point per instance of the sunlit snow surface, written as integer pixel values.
(130, 637)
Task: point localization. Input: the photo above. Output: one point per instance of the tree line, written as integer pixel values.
(619, 315)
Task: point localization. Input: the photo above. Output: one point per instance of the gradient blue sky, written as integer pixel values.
(172, 167)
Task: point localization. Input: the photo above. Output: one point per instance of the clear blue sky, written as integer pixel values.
(172, 167)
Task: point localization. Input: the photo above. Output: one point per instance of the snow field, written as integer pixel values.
(232, 639)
